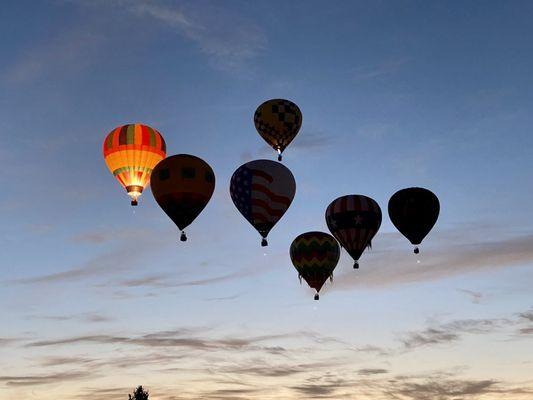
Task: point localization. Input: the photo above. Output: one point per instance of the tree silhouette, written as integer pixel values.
(139, 394)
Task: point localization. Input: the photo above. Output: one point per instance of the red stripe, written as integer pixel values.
(258, 217)
(264, 205)
(145, 135)
(262, 174)
(273, 196)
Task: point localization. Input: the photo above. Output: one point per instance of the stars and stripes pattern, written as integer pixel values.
(262, 191)
(354, 220)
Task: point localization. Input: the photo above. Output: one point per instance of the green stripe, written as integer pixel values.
(152, 137)
(130, 135)
(131, 169)
(109, 141)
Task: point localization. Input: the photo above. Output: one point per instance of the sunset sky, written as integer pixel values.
(97, 297)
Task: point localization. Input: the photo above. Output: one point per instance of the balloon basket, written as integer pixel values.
(183, 237)
(416, 250)
(264, 242)
(134, 203)
(356, 265)
(317, 296)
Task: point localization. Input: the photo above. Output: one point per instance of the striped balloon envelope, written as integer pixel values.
(315, 255)
(182, 185)
(278, 121)
(262, 191)
(354, 220)
(131, 152)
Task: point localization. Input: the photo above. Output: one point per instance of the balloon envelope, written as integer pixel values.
(262, 191)
(131, 152)
(278, 122)
(354, 220)
(414, 211)
(315, 255)
(182, 186)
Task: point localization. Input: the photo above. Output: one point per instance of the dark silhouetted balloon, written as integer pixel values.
(182, 186)
(315, 255)
(414, 211)
(262, 190)
(278, 122)
(354, 220)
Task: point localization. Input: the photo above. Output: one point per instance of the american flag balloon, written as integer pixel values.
(262, 191)
(354, 220)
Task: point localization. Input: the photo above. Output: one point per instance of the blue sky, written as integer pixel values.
(99, 298)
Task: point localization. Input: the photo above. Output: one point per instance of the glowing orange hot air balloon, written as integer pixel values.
(131, 152)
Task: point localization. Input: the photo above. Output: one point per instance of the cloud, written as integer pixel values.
(475, 296)
(32, 380)
(431, 389)
(85, 317)
(71, 50)
(7, 341)
(232, 297)
(276, 371)
(451, 259)
(56, 361)
(372, 371)
(315, 390)
(180, 338)
(382, 70)
(101, 265)
(228, 40)
(124, 256)
(164, 281)
(312, 141)
(450, 332)
(380, 351)
(528, 315)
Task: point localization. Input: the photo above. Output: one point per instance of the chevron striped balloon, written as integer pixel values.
(315, 255)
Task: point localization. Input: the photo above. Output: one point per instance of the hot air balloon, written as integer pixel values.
(315, 255)
(131, 152)
(262, 191)
(182, 186)
(278, 122)
(354, 220)
(414, 211)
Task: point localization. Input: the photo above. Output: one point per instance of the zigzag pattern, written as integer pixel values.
(315, 251)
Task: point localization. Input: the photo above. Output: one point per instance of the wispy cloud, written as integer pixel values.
(32, 380)
(169, 282)
(378, 71)
(474, 296)
(125, 255)
(431, 389)
(527, 315)
(451, 259)
(451, 332)
(372, 371)
(84, 317)
(228, 39)
(71, 50)
(180, 338)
